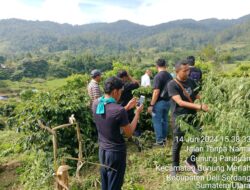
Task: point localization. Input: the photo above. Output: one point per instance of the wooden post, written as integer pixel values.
(80, 155)
(61, 172)
(62, 178)
(54, 140)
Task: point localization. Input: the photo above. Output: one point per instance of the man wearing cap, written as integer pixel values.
(93, 87)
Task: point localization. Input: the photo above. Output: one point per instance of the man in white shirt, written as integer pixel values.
(145, 79)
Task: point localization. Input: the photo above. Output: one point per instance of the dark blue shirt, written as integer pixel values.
(109, 127)
(195, 74)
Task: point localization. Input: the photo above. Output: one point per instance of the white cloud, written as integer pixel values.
(166, 10)
(15, 9)
(62, 11)
(150, 12)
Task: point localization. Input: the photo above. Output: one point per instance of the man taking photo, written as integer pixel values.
(111, 119)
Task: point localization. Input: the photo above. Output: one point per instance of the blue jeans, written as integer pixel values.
(160, 120)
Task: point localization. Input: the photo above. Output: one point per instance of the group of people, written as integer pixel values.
(116, 113)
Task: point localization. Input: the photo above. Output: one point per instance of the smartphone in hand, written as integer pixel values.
(141, 100)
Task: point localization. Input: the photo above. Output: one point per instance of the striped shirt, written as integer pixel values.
(94, 90)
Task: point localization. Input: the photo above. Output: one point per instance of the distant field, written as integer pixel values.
(228, 67)
(235, 45)
(231, 67)
(11, 88)
(50, 84)
(243, 62)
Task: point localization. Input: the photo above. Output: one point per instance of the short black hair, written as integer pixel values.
(122, 73)
(111, 84)
(180, 63)
(191, 60)
(161, 63)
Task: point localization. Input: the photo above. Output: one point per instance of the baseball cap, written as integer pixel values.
(94, 73)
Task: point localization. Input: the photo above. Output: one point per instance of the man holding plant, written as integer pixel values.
(183, 92)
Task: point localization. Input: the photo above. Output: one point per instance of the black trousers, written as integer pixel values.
(178, 139)
(112, 176)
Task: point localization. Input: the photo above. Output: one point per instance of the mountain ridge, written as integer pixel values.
(17, 35)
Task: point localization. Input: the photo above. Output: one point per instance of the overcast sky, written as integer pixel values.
(146, 12)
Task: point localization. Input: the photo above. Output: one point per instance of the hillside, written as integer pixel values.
(34, 36)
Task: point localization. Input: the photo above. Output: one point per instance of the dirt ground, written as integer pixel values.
(8, 175)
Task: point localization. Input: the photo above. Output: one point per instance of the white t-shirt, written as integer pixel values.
(145, 80)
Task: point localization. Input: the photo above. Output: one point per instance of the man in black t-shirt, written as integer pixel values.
(130, 84)
(183, 92)
(159, 106)
(110, 119)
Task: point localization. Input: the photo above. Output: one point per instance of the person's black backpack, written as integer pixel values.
(195, 74)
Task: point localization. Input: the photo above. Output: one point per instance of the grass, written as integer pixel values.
(236, 45)
(20, 169)
(228, 67)
(50, 84)
(13, 88)
(10, 147)
(146, 170)
(141, 173)
(150, 170)
(11, 159)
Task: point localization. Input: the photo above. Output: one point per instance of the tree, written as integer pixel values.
(2, 59)
(59, 71)
(208, 52)
(225, 58)
(38, 68)
(5, 73)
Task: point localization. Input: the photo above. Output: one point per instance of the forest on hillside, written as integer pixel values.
(20, 36)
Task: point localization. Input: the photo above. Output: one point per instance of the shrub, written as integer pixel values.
(54, 108)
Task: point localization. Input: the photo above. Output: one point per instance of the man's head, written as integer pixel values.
(113, 86)
(182, 69)
(148, 72)
(123, 74)
(161, 63)
(96, 75)
(191, 60)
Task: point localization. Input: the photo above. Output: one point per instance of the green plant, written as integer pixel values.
(37, 172)
(227, 121)
(145, 118)
(54, 108)
(27, 94)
